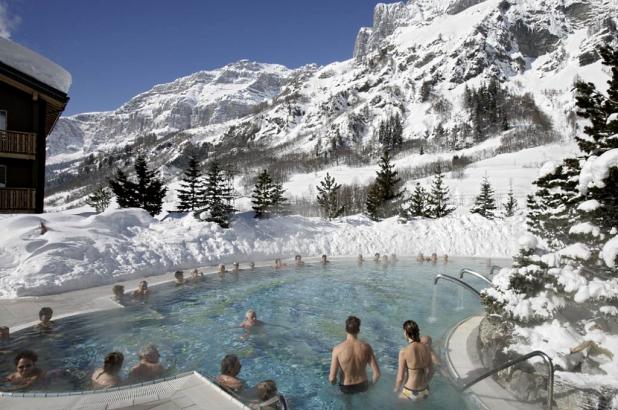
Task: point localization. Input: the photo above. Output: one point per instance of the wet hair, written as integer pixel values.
(118, 290)
(277, 260)
(113, 362)
(228, 364)
(178, 274)
(295, 258)
(149, 351)
(266, 390)
(47, 311)
(412, 330)
(143, 282)
(324, 256)
(251, 313)
(26, 354)
(352, 325)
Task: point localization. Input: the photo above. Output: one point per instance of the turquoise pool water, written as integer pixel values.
(304, 310)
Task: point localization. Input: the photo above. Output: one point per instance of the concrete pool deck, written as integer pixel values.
(463, 362)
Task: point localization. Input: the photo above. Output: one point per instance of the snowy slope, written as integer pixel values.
(415, 61)
(83, 251)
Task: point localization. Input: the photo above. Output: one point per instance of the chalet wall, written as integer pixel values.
(18, 105)
(19, 173)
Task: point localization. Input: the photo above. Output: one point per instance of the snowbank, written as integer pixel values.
(596, 169)
(84, 251)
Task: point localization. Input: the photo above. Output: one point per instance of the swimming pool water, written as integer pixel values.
(304, 310)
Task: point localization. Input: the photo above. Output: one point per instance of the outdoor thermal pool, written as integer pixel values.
(305, 308)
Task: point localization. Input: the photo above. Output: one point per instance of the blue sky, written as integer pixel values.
(116, 49)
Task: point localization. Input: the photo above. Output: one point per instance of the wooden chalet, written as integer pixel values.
(33, 94)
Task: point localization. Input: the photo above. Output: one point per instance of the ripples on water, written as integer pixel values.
(304, 310)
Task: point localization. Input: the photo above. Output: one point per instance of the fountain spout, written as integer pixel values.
(456, 281)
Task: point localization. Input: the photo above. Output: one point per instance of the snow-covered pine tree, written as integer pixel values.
(278, 202)
(124, 190)
(150, 190)
(389, 185)
(191, 191)
(485, 204)
(416, 205)
(328, 197)
(261, 197)
(217, 197)
(100, 198)
(510, 205)
(374, 202)
(438, 199)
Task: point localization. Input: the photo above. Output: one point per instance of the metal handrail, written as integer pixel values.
(493, 268)
(457, 281)
(474, 273)
(543, 355)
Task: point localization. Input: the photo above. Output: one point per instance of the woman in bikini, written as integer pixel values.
(415, 359)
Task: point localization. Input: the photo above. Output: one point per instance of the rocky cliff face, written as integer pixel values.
(414, 64)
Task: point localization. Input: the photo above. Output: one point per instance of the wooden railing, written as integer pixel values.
(17, 199)
(15, 142)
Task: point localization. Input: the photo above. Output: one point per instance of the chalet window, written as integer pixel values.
(2, 176)
(2, 120)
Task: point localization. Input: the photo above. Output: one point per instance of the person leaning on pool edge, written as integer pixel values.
(353, 356)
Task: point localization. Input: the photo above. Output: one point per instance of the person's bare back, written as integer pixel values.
(353, 356)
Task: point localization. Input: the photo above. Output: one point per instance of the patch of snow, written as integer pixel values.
(589, 205)
(612, 117)
(527, 241)
(585, 228)
(576, 251)
(596, 169)
(609, 310)
(34, 65)
(609, 252)
(547, 169)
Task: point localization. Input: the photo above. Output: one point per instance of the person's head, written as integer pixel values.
(252, 265)
(143, 286)
(385, 258)
(251, 315)
(25, 362)
(230, 365)
(298, 258)
(277, 262)
(434, 256)
(360, 257)
(113, 362)
(45, 314)
(221, 268)
(393, 256)
(150, 354)
(4, 333)
(445, 257)
(236, 266)
(376, 256)
(324, 258)
(352, 325)
(179, 276)
(118, 291)
(194, 273)
(426, 340)
(411, 330)
(266, 390)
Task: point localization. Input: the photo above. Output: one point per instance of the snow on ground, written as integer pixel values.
(84, 251)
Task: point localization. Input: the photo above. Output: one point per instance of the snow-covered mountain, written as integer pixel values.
(414, 64)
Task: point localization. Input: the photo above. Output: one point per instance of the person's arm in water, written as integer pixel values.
(401, 369)
(334, 368)
(375, 369)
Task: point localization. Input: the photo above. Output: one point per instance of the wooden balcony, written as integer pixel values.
(15, 144)
(16, 200)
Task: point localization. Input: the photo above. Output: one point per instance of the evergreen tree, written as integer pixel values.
(261, 197)
(328, 198)
(147, 193)
(510, 205)
(438, 199)
(416, 205)
(217, 198)
(374, 202)
(485, 204)
(278, 202)
(124, 190)
(191, 193)
(387, 188)
(100, 198)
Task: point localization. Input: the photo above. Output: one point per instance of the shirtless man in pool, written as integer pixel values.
(353, 356)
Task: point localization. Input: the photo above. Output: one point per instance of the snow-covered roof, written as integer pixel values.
(34, 65)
